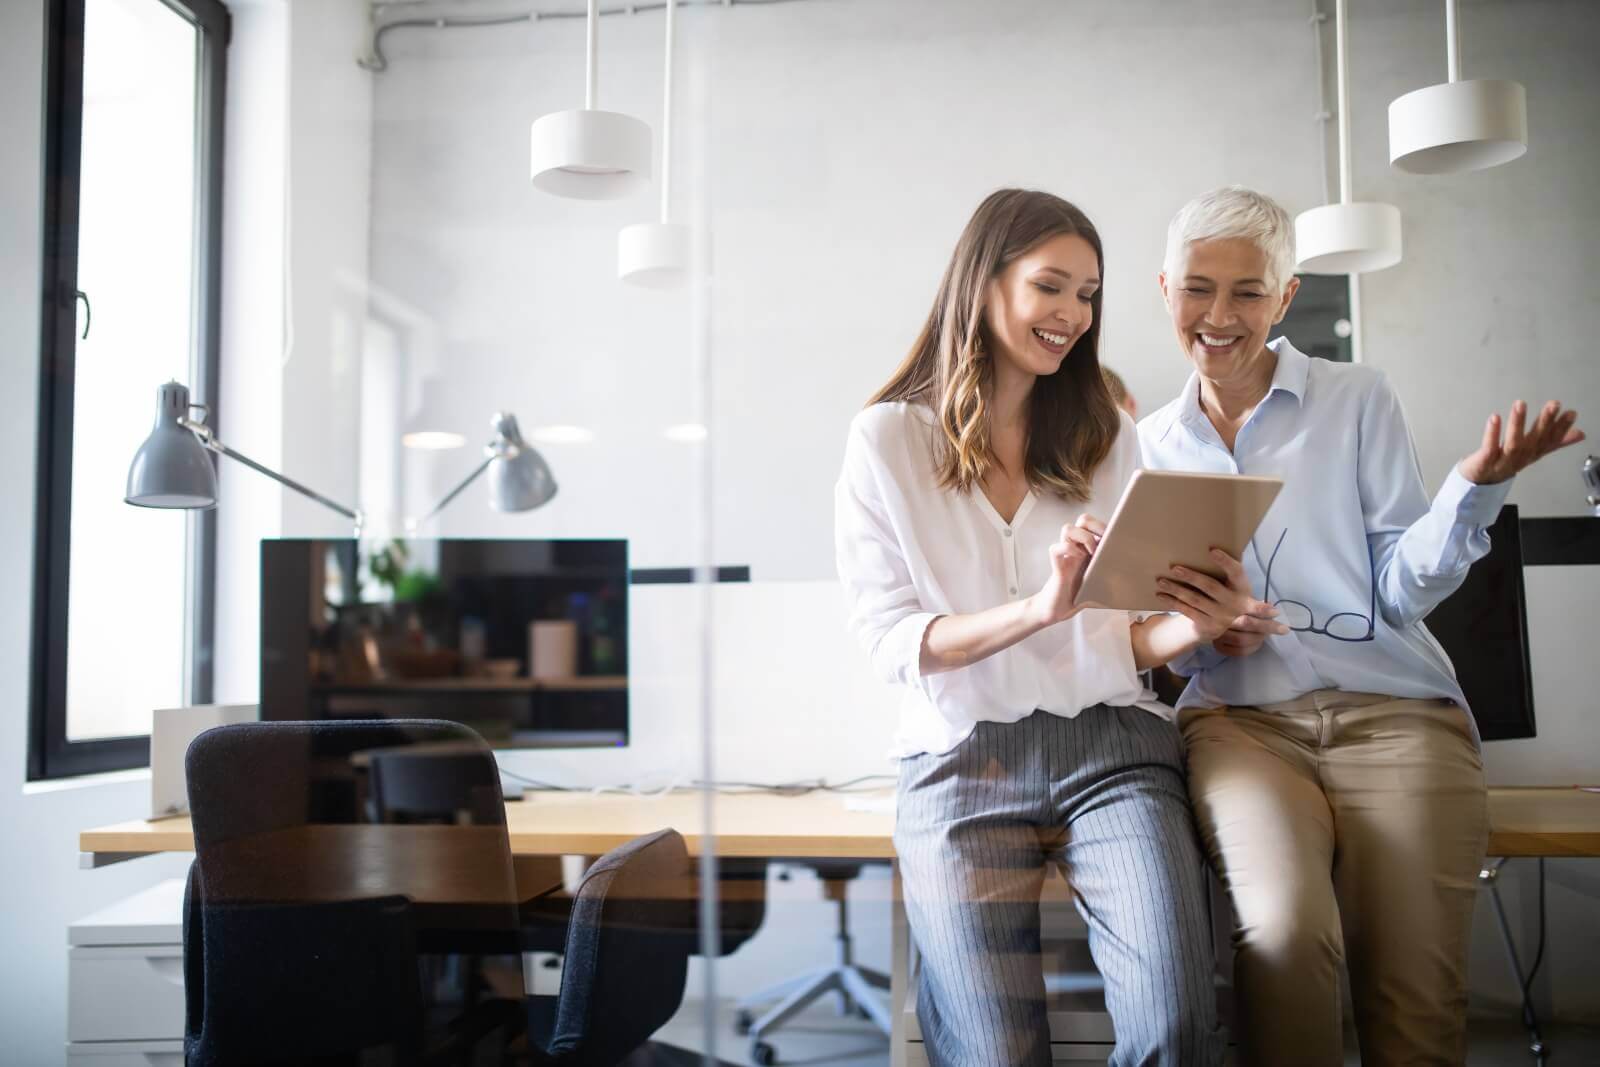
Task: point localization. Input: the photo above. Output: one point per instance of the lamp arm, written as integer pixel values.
(452, 494)
(203, 432)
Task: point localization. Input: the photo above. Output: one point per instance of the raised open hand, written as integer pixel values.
(1499, 458)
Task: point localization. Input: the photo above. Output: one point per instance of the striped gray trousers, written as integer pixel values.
(1101, 795)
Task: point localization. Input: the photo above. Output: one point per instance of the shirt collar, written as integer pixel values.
(1294, 366)
(1290, 375)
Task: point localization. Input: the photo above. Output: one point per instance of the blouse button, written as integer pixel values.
(1006, 532)
(1013, 590)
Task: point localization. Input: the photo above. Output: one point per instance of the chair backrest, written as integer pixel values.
(283, 813)
(436, 784)
(306, 913)
(627, 951)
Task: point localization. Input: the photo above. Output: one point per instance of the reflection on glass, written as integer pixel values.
(526, 641)
(136, 263)
(355, 878)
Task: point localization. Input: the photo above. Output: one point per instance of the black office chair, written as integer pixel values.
(304, 922)
(657, 870)
(630, 931)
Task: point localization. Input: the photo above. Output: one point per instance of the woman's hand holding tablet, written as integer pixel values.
(1223, 612)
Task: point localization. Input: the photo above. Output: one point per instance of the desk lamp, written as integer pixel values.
(171, 469)
(519, 478)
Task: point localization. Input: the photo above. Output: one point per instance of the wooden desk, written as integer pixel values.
(1524, 822)
(581, 823)
(1538, 821)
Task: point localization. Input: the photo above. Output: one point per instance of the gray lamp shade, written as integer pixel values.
(171, 469)
(519, 478)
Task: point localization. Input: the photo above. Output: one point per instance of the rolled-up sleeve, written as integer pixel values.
(1203, 658)
(885, 615)
(1420, 551)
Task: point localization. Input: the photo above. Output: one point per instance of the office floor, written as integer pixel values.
(817, 1036)
(823, 1039)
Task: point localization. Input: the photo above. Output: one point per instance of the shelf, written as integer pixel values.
(578, 684)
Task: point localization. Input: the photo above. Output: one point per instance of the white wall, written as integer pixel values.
(845, 146)
(41, 889)
(254, 319)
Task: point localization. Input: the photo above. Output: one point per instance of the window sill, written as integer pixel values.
(86, 781)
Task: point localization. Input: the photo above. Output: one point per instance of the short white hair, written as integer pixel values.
(1235, 212)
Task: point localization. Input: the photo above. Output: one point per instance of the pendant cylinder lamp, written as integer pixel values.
(656, 254)
(590, 154)
(1347, 237)
(1459, 125)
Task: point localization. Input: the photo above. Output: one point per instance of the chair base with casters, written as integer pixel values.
(859, 989)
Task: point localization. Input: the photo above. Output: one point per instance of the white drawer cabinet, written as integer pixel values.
(125, 982)
(125, 993)
(126, 1054)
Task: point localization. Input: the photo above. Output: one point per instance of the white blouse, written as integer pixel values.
(909, 551)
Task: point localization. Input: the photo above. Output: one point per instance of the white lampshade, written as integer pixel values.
(1458, 126)
(590, 155)
(653, 254)
(1348, 238)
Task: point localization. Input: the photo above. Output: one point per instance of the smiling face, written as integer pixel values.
(1223, 302)
(1039, 305)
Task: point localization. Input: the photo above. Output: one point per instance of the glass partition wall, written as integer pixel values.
(812, 173)
(527, 436)
(550, 279)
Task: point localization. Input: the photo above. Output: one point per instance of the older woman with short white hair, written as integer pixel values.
(1333, 763)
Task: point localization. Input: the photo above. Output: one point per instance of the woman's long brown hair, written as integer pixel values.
(1072, 421)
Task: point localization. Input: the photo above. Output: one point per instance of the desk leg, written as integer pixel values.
(1489, 877)
(900, 969)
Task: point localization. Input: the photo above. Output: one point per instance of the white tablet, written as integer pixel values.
(1172, 517)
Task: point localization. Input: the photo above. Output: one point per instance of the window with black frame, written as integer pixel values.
(132, 230)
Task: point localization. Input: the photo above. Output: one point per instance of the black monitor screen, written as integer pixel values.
(1484, 627)
(524, 641)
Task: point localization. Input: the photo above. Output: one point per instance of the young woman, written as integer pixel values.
(1334, 765)
(964, 520)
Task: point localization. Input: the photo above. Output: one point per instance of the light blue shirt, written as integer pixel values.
(1357, 556)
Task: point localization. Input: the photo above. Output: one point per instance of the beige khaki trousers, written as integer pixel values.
(1347, 827)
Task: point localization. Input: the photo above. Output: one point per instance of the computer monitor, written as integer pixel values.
(524, 641)
(1483, 626)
